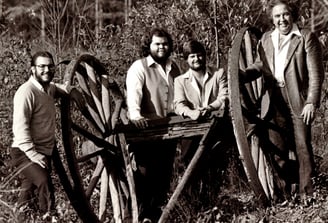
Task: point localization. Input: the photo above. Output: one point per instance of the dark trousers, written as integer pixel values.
(154, 162)
(295, 136)
(33, 177)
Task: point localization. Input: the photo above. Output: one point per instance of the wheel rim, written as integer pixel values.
(91, 182)
(245, 98)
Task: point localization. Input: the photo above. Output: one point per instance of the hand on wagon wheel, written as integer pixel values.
(140, 123)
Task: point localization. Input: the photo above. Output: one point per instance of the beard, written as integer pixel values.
(200, 67)
(44, 78)
(161, 59)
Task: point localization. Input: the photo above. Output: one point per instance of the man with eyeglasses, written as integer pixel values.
(34, 135)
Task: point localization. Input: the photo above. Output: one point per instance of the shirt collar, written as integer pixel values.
(188, 74)
(295, 30)
(151, 61)
(37, 84)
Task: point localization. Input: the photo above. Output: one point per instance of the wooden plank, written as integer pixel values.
(171, 132)
(166, 128)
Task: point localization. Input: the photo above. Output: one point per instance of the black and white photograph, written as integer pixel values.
(151, 111)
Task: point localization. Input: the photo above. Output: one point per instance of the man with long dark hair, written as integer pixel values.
(150, 96)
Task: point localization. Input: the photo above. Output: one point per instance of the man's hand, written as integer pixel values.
(140, 123)
(206, 111)
(39, 159)
(308, 113)
(194, 114)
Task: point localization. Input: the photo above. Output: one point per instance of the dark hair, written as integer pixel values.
(146, 40)
(193, 46)
(41, 54)
(291, 8)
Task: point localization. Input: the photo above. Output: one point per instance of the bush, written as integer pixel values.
(118, 46)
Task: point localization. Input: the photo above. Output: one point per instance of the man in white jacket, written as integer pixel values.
(201, 89)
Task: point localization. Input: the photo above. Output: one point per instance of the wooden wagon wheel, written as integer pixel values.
(245, 99)
(101, 169)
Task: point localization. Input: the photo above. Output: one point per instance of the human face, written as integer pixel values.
(159, 48)
(196, 61)
(43, 70)
(282, 19)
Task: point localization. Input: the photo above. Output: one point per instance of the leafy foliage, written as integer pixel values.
(70, 32)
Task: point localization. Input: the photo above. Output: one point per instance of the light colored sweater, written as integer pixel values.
(34, 118)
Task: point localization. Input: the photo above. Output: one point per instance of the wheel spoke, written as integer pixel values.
(96, 140)
(105, 101)
(91, 98)
(91, 155)
(93, 85)
(93, 125)
(239, 122)
(95, 178)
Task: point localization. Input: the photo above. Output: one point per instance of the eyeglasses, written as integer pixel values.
(43, 66)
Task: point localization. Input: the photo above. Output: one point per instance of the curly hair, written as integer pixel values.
(147, 39)
(292, 8)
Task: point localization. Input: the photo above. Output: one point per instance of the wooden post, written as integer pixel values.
(188, 172)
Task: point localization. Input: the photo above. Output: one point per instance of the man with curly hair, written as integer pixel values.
(150, 91)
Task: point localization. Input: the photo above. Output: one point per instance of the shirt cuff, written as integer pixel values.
(31, 154)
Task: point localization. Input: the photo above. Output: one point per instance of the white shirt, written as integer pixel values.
(281, 50)
(135, 80)
(200, 92)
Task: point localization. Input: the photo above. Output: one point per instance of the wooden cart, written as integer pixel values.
(99, 182)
